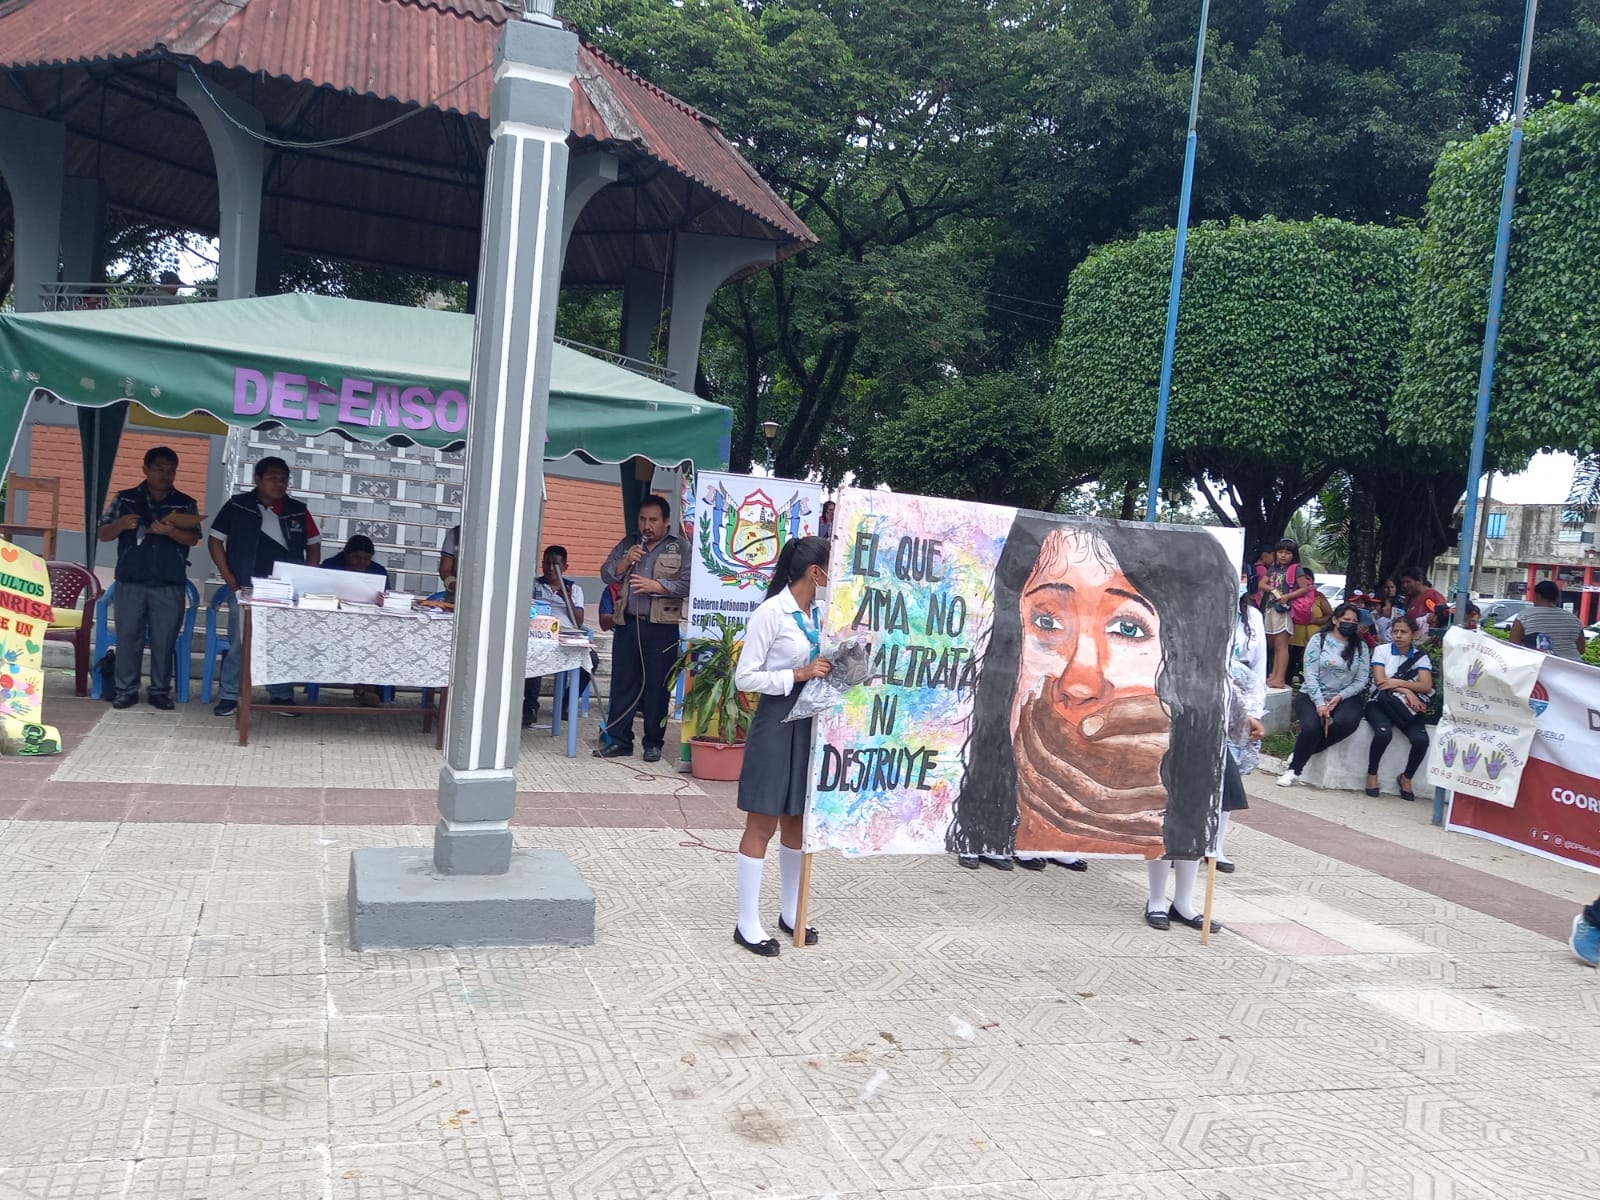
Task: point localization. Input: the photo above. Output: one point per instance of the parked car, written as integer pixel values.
(1498, 614)
(1333, 591)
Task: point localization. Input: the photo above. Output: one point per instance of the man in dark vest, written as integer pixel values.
(652, 571)
(255, 531)
(153, 525)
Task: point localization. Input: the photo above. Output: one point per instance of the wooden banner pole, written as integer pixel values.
(804, 902)
(1211, 891)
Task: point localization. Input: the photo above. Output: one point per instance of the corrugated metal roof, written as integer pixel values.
(431, 53)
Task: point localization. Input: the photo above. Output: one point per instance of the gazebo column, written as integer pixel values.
(83, 231)
(585, 177)
(643, 293)
(473, 889)
(701, 264)
(239, 158)
(33, 155)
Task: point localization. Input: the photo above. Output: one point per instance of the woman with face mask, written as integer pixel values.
(1330, 702)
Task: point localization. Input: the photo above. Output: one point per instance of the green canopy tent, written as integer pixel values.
(315, 364)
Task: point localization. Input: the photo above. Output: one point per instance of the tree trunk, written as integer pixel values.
(1361, 568)
(1416, 517)
(1130, 499)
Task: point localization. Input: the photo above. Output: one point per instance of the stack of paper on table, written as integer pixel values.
(322, 601)
(398, 601)
(264, 590)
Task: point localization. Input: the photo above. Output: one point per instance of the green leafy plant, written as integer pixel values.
(712, 705)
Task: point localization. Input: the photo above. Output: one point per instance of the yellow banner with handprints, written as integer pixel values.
(25, 614)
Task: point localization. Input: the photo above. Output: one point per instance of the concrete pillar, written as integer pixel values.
(1533, 578)
(33, 155)
(585, 177)
(701, 264)
(643, 295)
(239, 159)
(83, 231)
(474, 890)
(519, 280)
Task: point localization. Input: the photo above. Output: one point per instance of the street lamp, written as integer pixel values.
(769, 430)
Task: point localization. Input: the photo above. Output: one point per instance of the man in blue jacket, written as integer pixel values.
(255, 531)
(152, 568)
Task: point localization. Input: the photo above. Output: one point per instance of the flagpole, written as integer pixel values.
(1491, 338)
(1158, 448)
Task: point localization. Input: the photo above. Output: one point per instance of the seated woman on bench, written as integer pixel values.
(1402, 678)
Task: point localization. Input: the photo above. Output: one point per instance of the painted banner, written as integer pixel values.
(1557, 812)
(1481, 744)
(740, 524)
(25, 613)
(1039, 682)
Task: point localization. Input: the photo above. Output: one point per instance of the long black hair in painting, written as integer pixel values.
(795, 559)
(1190, 582)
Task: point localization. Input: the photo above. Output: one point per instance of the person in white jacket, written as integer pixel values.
(1247, 704)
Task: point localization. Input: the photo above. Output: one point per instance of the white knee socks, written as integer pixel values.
(749, 884)
(1156, 870)
(1184, 872)
(1222, 832)
(789, 876)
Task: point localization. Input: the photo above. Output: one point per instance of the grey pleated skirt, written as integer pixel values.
(777, 759)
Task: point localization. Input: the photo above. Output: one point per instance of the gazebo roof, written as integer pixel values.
(408, 196)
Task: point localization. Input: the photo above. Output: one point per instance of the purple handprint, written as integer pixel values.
(1449, 753)
(1469, 757)
(1495, 763)
(1475, 672)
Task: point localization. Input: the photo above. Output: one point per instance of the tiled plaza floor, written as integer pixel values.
(181, 1016)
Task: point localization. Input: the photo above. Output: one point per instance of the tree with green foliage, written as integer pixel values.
(980, 438)
(1288, 351)
(1547, 370)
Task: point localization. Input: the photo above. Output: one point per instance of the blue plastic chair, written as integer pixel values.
(216, 646)
(183, 651)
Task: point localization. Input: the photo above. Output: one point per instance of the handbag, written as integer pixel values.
(1394, 704)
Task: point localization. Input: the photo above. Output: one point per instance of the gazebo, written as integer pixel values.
(354, 130)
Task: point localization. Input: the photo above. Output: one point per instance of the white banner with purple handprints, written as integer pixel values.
(1483, 738)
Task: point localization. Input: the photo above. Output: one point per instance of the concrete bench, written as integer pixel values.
(1344, 767)
(1279, 711)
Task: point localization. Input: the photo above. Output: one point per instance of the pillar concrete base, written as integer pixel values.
(398, 901)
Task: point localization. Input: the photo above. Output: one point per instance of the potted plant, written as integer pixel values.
(714, 712)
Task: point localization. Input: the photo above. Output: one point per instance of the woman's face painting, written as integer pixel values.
(1089, 729)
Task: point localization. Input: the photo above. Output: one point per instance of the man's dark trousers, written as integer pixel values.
(639, 681)
(157, 607)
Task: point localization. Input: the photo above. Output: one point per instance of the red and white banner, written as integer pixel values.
(1557, 811)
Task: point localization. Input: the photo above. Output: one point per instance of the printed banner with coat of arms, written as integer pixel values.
(741, 522)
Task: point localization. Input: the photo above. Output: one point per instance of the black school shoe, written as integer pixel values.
(614, 750)
(127, 701)
(766, 949)
(1198, 921)
(788, 931)
(1157, 919)
(969, 861)
(164, 703)
(652, 754)
(1031, 864)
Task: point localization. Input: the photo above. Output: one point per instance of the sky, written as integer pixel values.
(1544, 482)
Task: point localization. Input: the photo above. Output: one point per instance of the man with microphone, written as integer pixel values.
(653, 572)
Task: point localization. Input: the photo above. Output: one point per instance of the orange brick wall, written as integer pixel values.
(586, 518)
(57, 451)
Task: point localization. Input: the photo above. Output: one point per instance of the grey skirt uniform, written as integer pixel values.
(777, 759)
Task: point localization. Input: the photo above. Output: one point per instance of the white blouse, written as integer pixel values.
(774, 646)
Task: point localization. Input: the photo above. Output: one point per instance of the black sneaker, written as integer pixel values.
(652, 754)
(615, 750)
(164, 703)
(126, 701)
(530, 719)
(225, 708)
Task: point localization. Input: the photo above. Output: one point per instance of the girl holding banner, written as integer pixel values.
(781, 651)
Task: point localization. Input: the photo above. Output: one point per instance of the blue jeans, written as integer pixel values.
(277, 693)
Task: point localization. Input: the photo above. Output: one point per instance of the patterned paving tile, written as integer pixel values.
(1157, 1185)
(42, 1128)
(393, 1045)
(627, 1164)
(254, 1117)
(292, 1175)
(225, 956)
(227, 1053)
(257, 999)
(460, 1169)
(414, 1107)
(910, 1150)
(106, 1179)
(80, 956)
(97, 1003)
(541, 1102)
(116, 1055)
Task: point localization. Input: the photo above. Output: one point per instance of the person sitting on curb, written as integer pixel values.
(1330, 704)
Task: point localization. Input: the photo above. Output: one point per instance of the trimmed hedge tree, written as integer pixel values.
(1547, 377)
(1290, 341)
